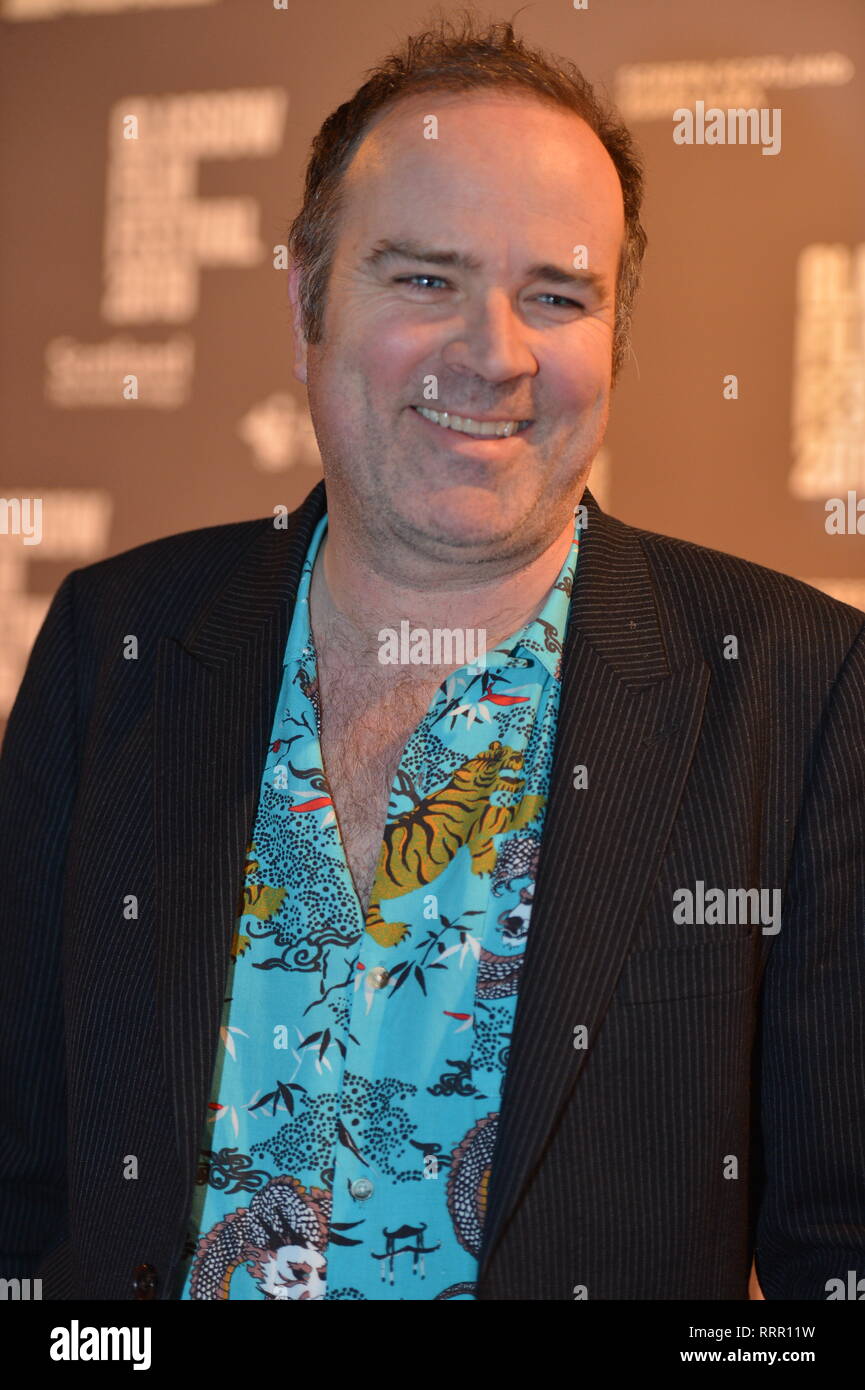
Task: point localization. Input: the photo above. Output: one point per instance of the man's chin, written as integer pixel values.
(464, 516)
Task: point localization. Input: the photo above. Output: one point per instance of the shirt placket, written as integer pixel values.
(362, 1191)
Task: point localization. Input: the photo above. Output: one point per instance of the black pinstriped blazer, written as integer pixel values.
(718, 1104)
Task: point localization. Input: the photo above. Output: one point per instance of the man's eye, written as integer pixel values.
(574, 304)
(408, 279)
(412, 280)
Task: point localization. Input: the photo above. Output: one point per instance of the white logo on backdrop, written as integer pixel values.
(651, 91)
(280, 434)
(828, 403)
(160, 235)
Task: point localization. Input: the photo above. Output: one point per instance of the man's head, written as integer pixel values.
(509, 319)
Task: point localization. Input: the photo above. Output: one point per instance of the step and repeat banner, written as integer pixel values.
(153, 156)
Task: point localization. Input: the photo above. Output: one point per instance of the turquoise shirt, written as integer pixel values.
(349, 1143)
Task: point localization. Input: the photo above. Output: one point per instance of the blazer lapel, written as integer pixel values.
(633, 722)
(216, 688)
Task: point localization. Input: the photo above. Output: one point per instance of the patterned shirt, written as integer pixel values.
(348, 1148)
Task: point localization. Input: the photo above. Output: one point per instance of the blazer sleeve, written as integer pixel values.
(811, 1219)
(38, 777)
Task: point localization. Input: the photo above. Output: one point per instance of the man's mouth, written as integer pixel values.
(480, 429)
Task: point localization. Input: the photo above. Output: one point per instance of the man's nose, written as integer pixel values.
(492, 340)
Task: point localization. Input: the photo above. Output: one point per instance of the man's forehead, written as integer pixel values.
(488, 120)
(509, 105)
(576, 187)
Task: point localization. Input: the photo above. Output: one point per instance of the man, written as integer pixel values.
(342, 964)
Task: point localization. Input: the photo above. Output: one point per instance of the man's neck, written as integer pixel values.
(350, 602)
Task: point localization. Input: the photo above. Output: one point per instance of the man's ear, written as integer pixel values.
(300, 344)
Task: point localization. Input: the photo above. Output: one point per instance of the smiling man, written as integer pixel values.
(384, 989)
(449, 313)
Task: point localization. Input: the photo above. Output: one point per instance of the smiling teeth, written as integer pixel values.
(497, 429)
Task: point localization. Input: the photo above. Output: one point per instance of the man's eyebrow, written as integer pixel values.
(388, 250)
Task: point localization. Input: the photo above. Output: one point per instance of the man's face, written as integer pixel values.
(512, 186)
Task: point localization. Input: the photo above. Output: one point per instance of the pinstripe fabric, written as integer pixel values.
(705, 1043)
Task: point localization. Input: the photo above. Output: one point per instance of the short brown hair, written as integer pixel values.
(457, 57)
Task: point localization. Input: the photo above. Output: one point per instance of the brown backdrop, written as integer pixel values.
(153, 259)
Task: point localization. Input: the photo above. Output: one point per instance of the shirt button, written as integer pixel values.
(361, 1188)
(378, 976)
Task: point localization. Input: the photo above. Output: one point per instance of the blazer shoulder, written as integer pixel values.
(160, 583)
(150, 591)
(716, 586)
(159, 558)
